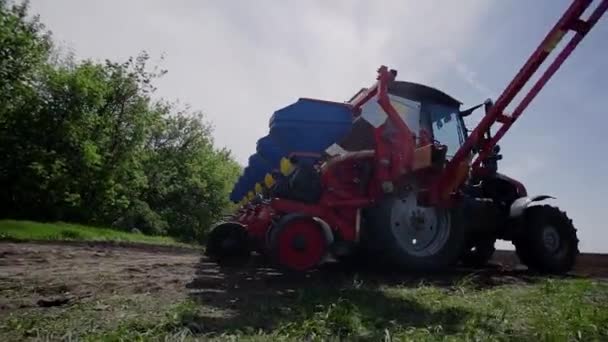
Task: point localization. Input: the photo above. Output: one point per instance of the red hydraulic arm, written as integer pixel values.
(569, 21)
(395, 156)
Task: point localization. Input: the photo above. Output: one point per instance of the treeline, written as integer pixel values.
(84, 141)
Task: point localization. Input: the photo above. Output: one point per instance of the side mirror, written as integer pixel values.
(488, 103)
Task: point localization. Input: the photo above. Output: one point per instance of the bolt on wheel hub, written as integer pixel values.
(229, 243)
(419, 230)
(551, 239)
(300, 244)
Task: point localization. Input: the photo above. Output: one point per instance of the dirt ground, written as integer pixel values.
(35, 274)
(588, 264)
(35, 277)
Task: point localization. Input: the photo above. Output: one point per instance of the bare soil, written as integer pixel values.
(588, 264)
(56, 276)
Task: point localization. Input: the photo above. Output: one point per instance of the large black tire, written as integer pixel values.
(478, 252)
(548, 243)
(228, 243)
(381, 240)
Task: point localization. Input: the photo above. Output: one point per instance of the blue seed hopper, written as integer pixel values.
(304, 129)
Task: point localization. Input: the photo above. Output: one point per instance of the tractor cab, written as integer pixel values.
(430, 114)
(439, 119)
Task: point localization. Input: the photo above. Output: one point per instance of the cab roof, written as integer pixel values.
(418, 92)
(421, 93)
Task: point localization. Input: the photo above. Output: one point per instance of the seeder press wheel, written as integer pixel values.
(298, 243)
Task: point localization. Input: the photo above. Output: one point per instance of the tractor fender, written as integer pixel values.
(519, 205)
(329, 235)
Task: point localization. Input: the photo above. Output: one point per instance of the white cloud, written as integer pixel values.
(239, 61)
(467, 74)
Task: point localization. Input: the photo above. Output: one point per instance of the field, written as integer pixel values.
(34, 231)
(101, 291)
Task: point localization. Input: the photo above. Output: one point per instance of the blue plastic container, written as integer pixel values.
(259, 167)
(308, 127)
(248, 181)
(268, 149)
(238, 191)
(304, 129)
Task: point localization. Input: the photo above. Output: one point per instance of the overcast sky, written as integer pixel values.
(239, 61)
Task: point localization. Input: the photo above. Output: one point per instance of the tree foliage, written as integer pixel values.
(87, 142)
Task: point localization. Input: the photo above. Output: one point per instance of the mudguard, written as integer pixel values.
(519, 205)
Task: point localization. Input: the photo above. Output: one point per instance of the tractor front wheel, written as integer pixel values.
(548, 242)
(228, 242)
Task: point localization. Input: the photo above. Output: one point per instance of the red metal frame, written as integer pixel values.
(343, 195)
(394, 156)
(569, 21)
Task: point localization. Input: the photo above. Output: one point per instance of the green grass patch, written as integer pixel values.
(550, 310)
(118, 318)
(35, 231)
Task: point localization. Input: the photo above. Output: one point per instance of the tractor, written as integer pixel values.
(408, 184)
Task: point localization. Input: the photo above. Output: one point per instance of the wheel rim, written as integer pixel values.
(230, 243)
(551, 239)
(301, 245)
(420, 231)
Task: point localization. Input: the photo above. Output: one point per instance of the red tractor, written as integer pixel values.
(417, 188)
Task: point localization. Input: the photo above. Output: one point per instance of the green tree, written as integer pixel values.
(186, 173)
(24, 46)
(85, 141)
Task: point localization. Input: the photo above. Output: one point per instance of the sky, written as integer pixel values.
(239, 61)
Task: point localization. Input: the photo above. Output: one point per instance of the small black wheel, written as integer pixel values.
(228, 242)
(548, 243)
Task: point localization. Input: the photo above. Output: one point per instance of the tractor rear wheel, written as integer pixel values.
(479, 252)
(548, 243)
(414, 237)
(298, 244)
(228, 242)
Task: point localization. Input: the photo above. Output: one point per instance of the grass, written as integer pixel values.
(550, 310)
(238, 305)
(34, 231)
